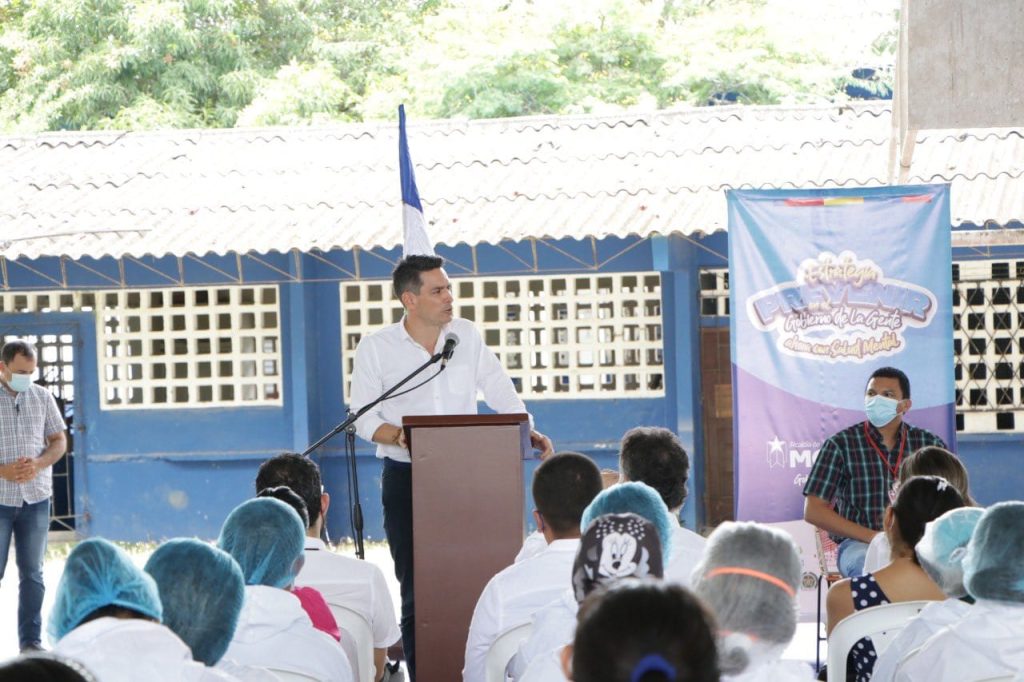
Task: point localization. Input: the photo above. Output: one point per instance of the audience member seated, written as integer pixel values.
(642, 631)
(614, 546)
(748, 579)
(930, 460)
(44, 667)
(989, 640)
(266, 537)
(345, 581)
(563, 485)
(654, 456)
(535, 542)
(202, 591)
(634, 498)
(106, 615)
(313, 603)
(920, 500)
(940, 552)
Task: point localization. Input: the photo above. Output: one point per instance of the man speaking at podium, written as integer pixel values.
(386, 357)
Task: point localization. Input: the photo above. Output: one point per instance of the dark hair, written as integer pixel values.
(299, 473)
(45, 667)
(288, 496)
(406, 276)
(15, 348)
(931, 460)
(653, 455)
(563, 485)
(893, 373)
(115, 611)
(919, 500)
(630, 623)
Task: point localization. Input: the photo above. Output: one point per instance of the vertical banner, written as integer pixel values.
(827, 286)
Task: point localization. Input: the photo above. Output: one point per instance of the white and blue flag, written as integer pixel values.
(414, 227)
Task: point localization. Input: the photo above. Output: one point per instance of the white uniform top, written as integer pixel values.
(544, 668)
(987, 642)
(878, 557)
(132, 649)
(512, 597)
(932, 618)
(553, 628)
(275, 632)
(354, 584)
(774, 670)
(687, 551)
(388, 355)
(532, 546)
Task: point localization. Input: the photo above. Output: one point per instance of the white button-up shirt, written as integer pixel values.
(354, 584)
(387, 356)
(132, 649)
(687, 552)
(513, 596)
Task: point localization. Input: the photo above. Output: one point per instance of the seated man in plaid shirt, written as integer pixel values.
(848, 487)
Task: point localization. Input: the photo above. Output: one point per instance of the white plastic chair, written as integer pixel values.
(880, 623)
(502, 651)
(360, 653)
(291, 675)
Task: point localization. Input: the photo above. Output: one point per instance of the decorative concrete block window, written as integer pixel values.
(177, 348)
(988, 344)
(559, 337)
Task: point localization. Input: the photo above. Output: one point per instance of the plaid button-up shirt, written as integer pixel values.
(850, 473)
(26, 421)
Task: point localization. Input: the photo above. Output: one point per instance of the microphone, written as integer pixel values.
(450, 341)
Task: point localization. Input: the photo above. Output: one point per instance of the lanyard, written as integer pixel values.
(894, 470)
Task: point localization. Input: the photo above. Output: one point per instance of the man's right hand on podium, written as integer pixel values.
(389, 434)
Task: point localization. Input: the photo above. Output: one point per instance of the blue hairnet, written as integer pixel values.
(98, 573)
(635, 498)
(942, 548)
(994, 563)
(266, 538)
(202, 590)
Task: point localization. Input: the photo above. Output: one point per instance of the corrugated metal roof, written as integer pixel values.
(246, 190)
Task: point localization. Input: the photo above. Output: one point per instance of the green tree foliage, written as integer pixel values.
(144, 64)
(76, 64)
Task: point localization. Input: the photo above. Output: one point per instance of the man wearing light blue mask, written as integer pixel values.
(31, 441)
(848, 488)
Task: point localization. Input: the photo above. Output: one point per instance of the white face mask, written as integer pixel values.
(19, 382)
(880, 410)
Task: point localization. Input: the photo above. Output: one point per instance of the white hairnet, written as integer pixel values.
(748, 577)
(942, 548)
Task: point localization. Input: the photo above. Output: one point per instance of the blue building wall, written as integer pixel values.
(151, 474)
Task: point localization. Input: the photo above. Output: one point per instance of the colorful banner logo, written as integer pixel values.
(826, 286)
(841, 308)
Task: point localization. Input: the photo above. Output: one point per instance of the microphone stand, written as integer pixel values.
(349, 427)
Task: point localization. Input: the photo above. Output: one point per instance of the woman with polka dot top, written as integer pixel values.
(920, 500)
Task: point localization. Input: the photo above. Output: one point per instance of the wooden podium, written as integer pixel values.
(467, 508)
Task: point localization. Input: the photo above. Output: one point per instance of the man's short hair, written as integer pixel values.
(653, 455)
(299, 473)
(17, 347)
(406, 276)
(563, 485)
(893, 373)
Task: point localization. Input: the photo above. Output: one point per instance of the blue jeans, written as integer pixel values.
(850, 558)
(396, 494)
(29, 524)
